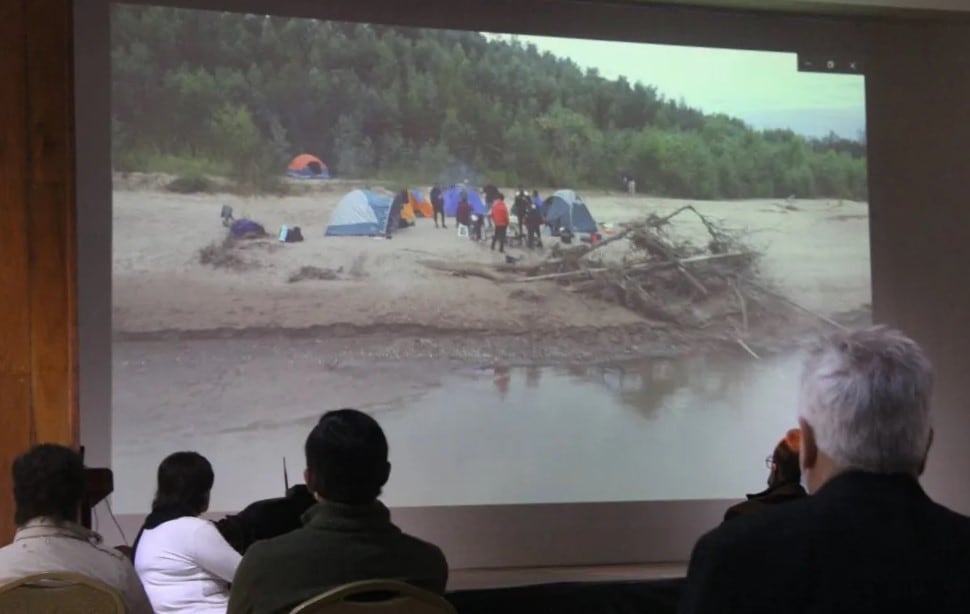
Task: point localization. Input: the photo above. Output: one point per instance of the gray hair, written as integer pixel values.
(866, 396)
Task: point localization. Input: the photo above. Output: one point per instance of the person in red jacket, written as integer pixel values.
(500, 217)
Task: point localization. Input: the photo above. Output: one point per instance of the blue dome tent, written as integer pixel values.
(452, 197)
(360, 213)
(565, 209)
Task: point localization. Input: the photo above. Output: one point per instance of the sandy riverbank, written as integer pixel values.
(816, 252)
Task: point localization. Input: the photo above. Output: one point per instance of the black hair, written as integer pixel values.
(48, 481)
(184, 482)
(786, 465)
(346, 455)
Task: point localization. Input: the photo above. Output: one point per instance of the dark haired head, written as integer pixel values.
(184, 482)
(48, 481)
(785, 465)
(346, 458)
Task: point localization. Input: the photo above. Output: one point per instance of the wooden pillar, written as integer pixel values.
(38, 312)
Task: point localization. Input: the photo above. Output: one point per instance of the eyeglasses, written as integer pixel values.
(769, 462)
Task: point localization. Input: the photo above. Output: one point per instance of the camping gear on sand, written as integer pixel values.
(246, 229)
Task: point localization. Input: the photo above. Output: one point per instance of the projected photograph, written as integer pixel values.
(555, 270)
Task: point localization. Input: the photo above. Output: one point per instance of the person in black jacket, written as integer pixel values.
(438, 204)
(267, 518)
(783, 481)
(533, 223)
(868, 539)
(520, 209)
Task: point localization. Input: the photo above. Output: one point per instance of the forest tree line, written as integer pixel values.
(240, 95)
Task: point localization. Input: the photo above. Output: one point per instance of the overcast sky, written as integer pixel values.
(764, 89)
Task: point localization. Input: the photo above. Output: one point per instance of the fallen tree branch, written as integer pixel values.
(463, 270)
(744, 306)
(618, 236)
(791, 303)
(641, 267)
(747, 348)
(693, 280)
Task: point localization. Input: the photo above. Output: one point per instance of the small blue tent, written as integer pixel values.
(565, 209)
(452, 197)
(360, 213)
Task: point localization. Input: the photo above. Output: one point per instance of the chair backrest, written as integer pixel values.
(59, 593)
(376, 597)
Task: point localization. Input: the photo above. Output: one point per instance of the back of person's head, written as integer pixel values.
(346, 458)
(785, 467)
(865, 403)
(48, 482)
(185, 481)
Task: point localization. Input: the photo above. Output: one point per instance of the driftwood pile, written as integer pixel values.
(712, 287)
(664, 279)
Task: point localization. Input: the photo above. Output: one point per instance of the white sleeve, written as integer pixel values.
(213, 553)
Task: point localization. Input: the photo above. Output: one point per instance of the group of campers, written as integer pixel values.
(494, 215)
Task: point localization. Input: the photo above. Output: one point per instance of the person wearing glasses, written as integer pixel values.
(784, 479)
(868, 539)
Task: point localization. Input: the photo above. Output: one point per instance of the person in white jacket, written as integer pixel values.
(183, 561)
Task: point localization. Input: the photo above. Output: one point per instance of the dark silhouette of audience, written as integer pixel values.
(868, 539)
(347, 536)
(48, 487)
(266, 518)
(183, 561)
(783, 480)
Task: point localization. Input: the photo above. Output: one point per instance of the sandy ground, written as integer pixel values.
(817, 252)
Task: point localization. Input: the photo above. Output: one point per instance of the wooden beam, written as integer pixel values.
(38, 322)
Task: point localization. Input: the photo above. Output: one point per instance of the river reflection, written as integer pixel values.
(687, 428)
(644, 385)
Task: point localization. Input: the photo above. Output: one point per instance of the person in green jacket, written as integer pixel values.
(348, 536)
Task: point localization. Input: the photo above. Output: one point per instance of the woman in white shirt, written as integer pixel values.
(183, 561)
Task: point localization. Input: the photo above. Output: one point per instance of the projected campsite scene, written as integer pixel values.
(534, 259)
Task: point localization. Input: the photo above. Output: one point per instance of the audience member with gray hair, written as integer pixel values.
(868, 539)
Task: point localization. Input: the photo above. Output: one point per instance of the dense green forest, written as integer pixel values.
(239, 95)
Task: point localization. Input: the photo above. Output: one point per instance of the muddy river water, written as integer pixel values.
(656, 429)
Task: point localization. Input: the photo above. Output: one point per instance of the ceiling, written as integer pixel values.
(834, 7)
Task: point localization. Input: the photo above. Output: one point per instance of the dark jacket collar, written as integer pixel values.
(785, 490)
(862, 483)
(352, 518)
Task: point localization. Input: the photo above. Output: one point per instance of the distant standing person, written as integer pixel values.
(438, 204)
(491, 194)
(500, 216)
(520, 209)
(463, 216)
(533, 223)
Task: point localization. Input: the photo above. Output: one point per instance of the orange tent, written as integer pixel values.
(306, 165)
(419, 204)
